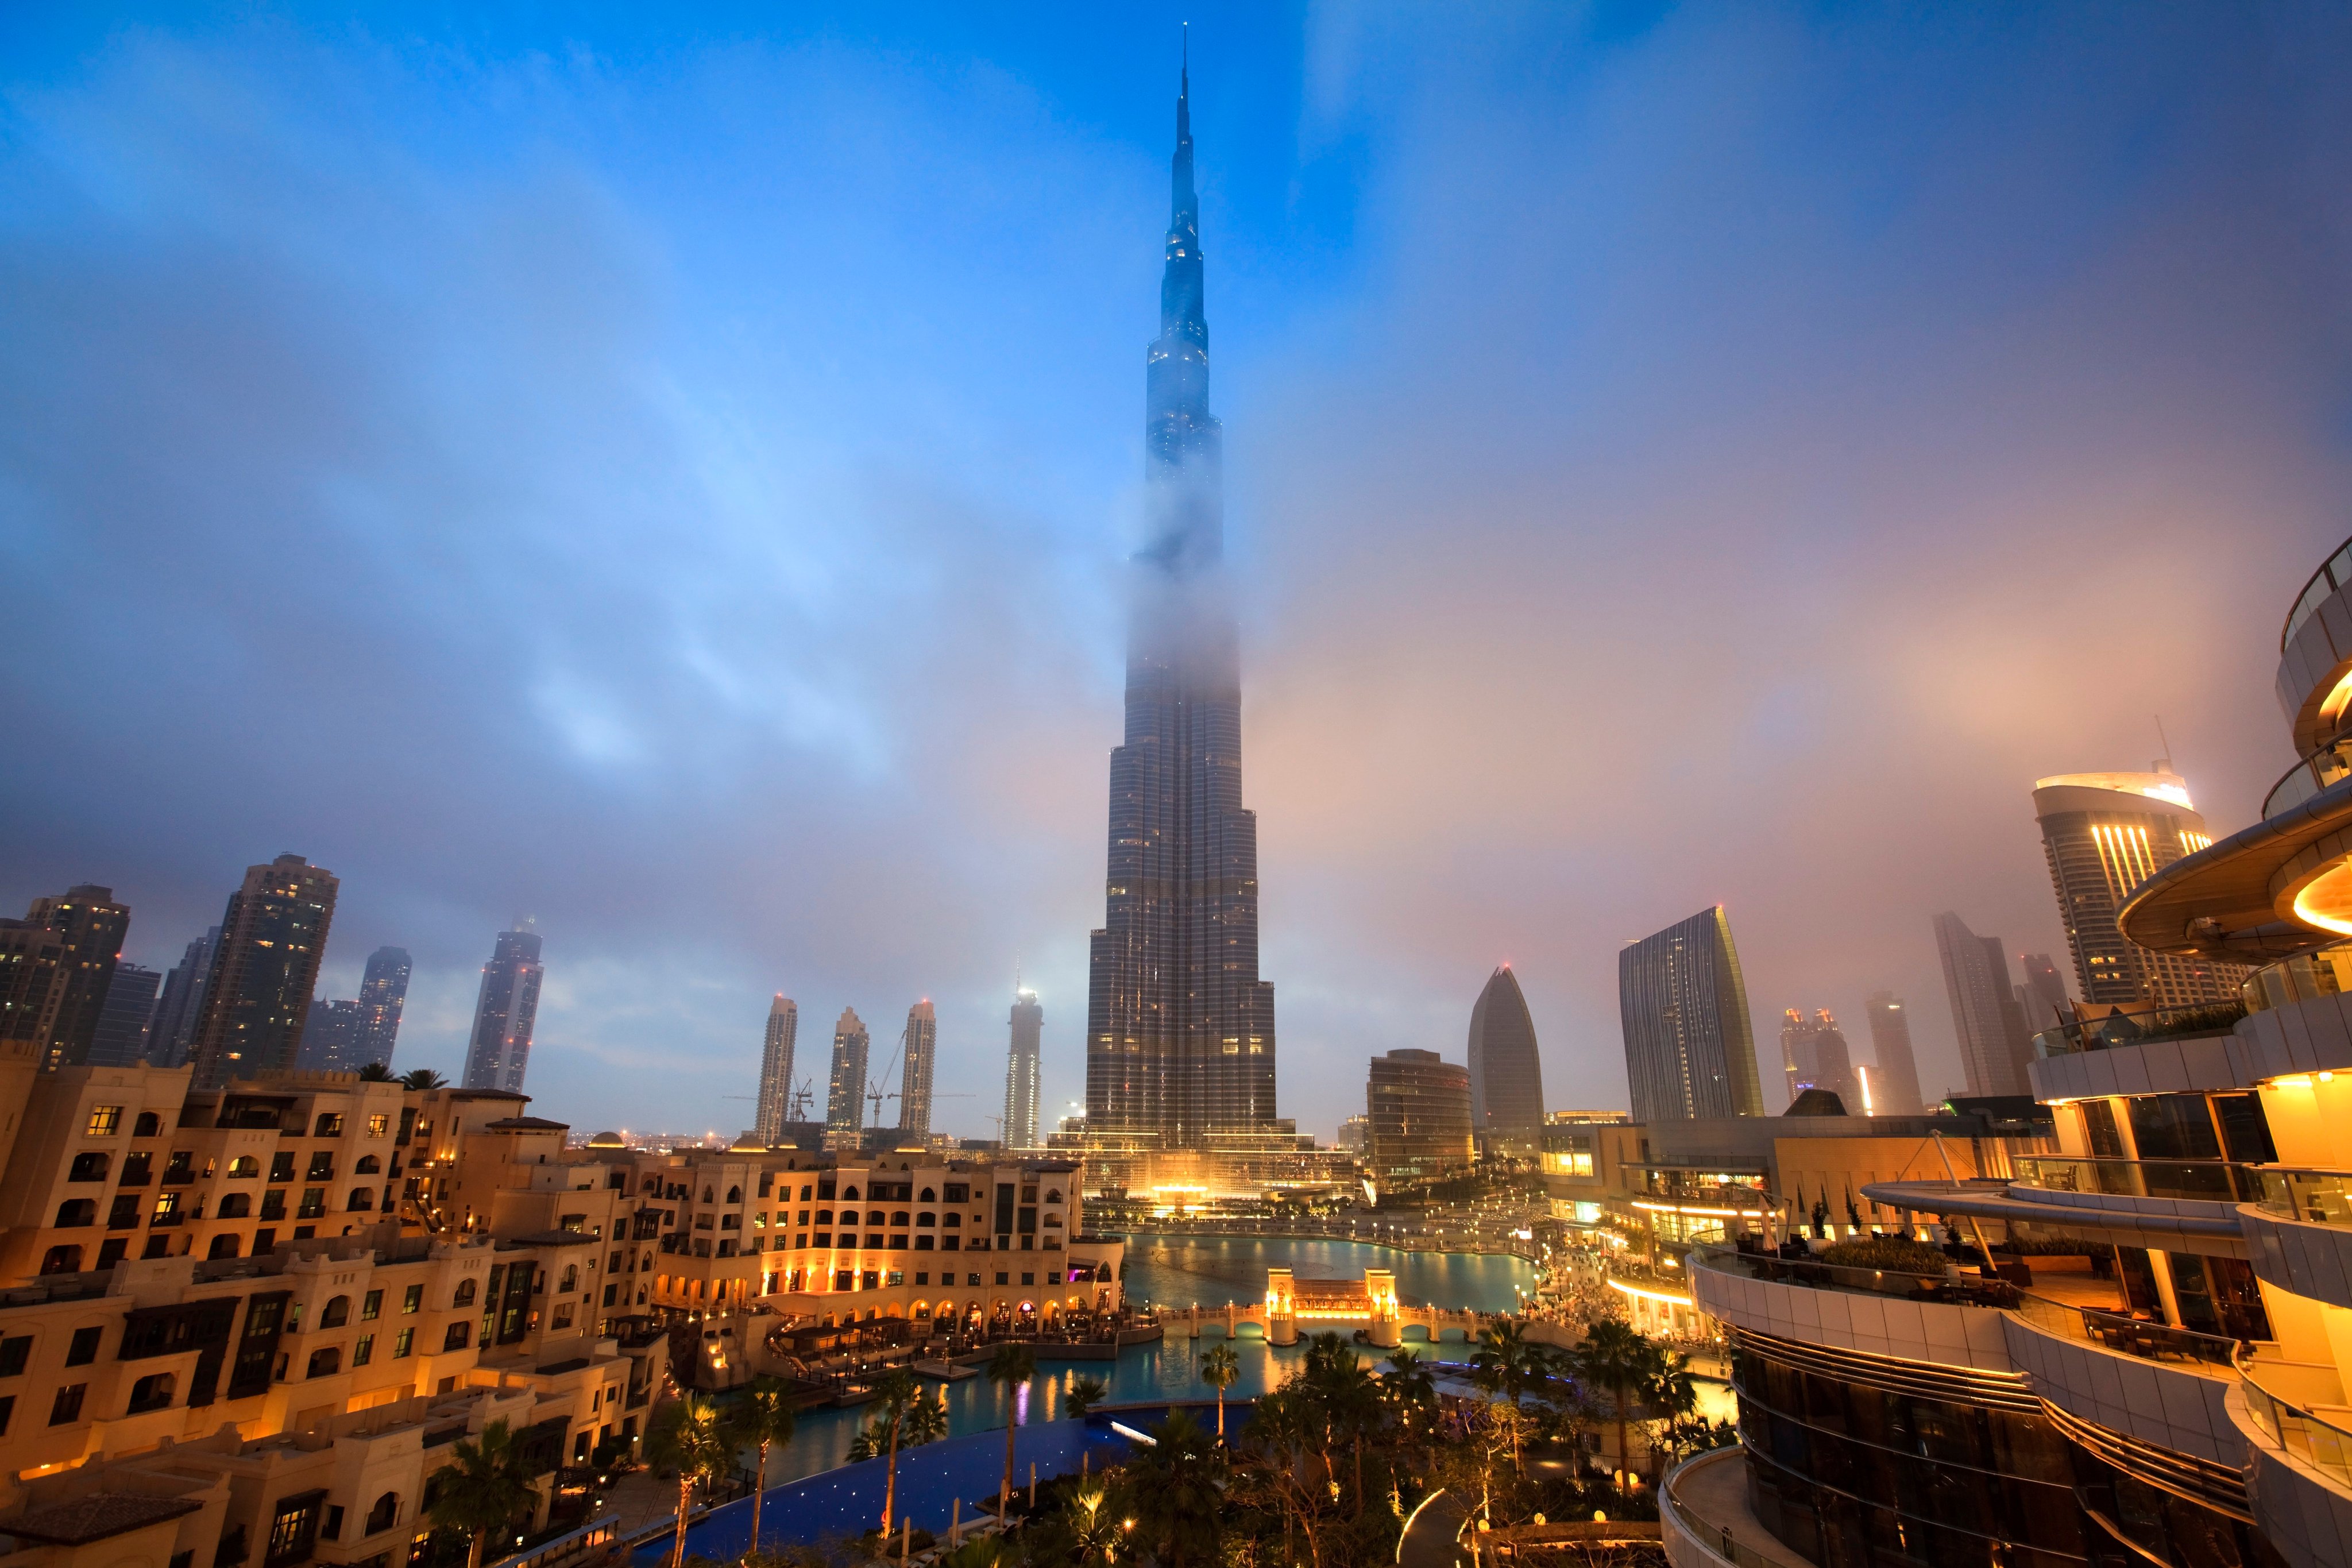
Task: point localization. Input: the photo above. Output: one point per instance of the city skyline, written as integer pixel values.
(1456, 410)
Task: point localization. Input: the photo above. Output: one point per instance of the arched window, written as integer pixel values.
(926, 1196)
(245, 1165)
(463, 1295)
(76, 1211)
(849, 1192)
(368, 1166)
(224, 1245)
(1052, 1196)
(336, 1314)
(455, 1339)
(706, 1195)
(235, 1206)
(149, 1125)
(385, 1514)
(653, 1184)
(152, 1392)
(362, 1198)
(62, 1261)
(930, 1219)
(647, 1262)
(898, 1218)
(89, 1167)
(571, 1278)
(326, 1362)
(734, 1195)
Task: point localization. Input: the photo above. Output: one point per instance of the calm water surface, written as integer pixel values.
(1178, 1271)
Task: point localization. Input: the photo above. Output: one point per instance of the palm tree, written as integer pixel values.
(1668, 1392)
(900, 1391)
(423, 1078)
(1177, 1494)
(1504, 1365)
(1092, 1525)
(692, 1436)
(1618, 1360)
(1011, 1365)
(926, 1420)
(764, 1418)
(484, 1489)
(1084, 1394)
(377, 1072)
(1221, 1369)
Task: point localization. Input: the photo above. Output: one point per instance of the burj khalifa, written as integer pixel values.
(1180, 1029)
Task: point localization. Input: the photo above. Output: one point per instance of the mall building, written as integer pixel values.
(2155, 1369)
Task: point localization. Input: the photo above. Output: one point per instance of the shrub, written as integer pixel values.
(1886, 1252)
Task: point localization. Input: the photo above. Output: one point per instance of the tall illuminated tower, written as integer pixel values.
(1894, 1077)
(1021, 1064)
(1180, 1029)
(775, 1102)
(915, 1074)
(845, 1097)
(265, 970)
(1690, 1046)
(506, 1012)
(1505, 1071)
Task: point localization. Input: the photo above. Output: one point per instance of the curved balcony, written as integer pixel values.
(2298, 1436)
(2279, 887)
(2330, 764)
(2178, 1181)
(2139, 1024)
(2315, 653)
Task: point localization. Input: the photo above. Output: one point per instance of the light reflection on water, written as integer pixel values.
(1171, 1269)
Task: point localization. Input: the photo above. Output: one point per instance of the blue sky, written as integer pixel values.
(666, 474)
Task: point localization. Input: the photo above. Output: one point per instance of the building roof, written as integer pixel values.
(486, 1094)
(95, 1518)
(527, 1124)
(549, 1238)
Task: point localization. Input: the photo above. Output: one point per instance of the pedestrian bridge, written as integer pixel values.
(1294, 1306)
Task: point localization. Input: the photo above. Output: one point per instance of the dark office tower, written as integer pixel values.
(331, 1040)
(1180, 1029)
(1895, 1079)
(775, 1104)
(1417, 1106)
(1994, 1045)
(2105, 833)
(90, 925)
(1505, 1072)
(845, 1097)
(505, 1011)
(1690, 1047)
(265, 970)
(1814, 1054)
(182, 1005)
(2043, 997)
(1021, 1072)
(922, 1048)
(384, 991)
(120, 1040)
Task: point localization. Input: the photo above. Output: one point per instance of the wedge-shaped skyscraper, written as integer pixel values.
(1505, 1072)
(1690, 1046)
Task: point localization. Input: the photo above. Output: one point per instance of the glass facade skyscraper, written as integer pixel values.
(1690, 1046)
(922, 1048)
(1021, 1064)
(1418, 1107)
(1894, 1075)
(844, 1098)
(90, 926)
(1505, 1071)
(1995, 1050)
(506, 1012)
(1180, 1029)
(383, 992)
(775, 1103)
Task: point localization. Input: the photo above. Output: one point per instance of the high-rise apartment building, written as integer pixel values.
(1813, 1055)
(1994, 1047)
(1690, 1046)
(2043, 997)
(330, 1040)
(506, 1012)
(775, 1104)
(922, 1050)
(1355, 1134)
(845, 1099)
(383, 992)
(1021, 1071)
(1180, 1029)
(120, 1038)
(182, 1004)
(1417, 1106)
(1894, 1077)
(1505, 1071)
(265, 970)
(2103, 835)
(88, 927)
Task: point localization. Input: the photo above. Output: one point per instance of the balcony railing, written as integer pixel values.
(2321, 1198)
(2204, 1181)
(2332, 574)
(2119, 1331)
(2331, 764)
(2306, 977)
(1964, 1290)
(2120, 1026)
(2310, 1438)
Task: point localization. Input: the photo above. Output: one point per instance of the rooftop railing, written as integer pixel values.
(2306, 977)
(2136, 1026)
(2332, 574)
(1959, 1290)
(2202, 1181)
